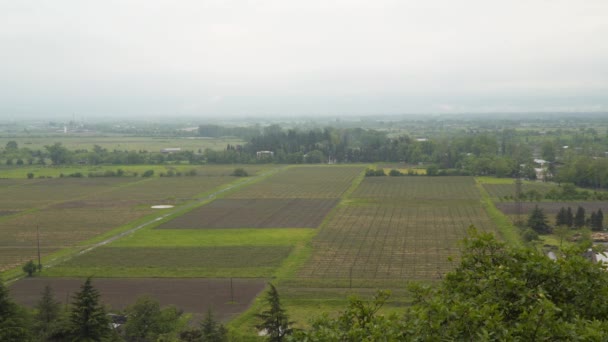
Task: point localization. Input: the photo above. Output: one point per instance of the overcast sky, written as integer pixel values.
(308, 57)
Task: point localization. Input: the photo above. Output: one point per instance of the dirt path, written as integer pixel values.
(198, 202)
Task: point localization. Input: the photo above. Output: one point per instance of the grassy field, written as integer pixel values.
(121, 143)
(20, 172)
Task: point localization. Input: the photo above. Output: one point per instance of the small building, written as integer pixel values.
(264, 154)
(170, 150)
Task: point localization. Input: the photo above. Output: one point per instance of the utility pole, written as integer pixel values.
(38, 243)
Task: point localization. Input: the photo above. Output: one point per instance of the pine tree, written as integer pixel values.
(600, 219)
(579, 218)
(569, 217)
(49, 312)
(212, 330)
(88, 319)
(13, 320)
(560, 218)
(538, 221)
(592, 221)
(275, 321)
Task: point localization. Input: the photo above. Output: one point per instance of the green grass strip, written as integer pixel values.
(506, 229)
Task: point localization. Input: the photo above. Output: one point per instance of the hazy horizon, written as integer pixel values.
(314, 58)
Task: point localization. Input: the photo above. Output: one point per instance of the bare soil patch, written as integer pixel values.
(255, 213)
(191, 295)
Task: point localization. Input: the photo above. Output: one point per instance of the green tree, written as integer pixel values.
(538, 221)
(30, 268)
(275, 321)
(432, 170)
(88, 319)
(560, 218)
(212, 330)
(569, 217)
(240, 172)
(14, 322)
(360, 321)
(58, 153)
(12, 146)
(49, 319)
(148, 322)
(579, 218)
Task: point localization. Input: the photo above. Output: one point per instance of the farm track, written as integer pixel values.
(181, 209)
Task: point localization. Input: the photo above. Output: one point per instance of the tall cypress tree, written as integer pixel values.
(600, 219)
(579, 218)
(538, 221)
(88, 319)
(560, 218)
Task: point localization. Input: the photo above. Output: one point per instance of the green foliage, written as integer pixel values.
(395, 173)
(212, 330)
(538, 221)
(432, 170)
(274, 320)
(502, 294)
(50, 322)
(374, 173)
(14, 322)
(579, 217)
(359, 322)
(148, 322)
(240, 172)
(495, 294)
(148, 173)
(30, 268)
(30, 175)
(88, 319)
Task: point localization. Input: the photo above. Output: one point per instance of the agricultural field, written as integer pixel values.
(225, 297)
(389, 232)
(121, 142)
(20, 172)
(304, 182)
(417, 188)
(68, 211)
(208, 261)
(255, 213)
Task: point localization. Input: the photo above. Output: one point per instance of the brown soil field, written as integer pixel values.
(551, 208)
(191, 295)
(255, 213)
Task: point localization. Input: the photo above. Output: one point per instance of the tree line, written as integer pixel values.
(86, 319)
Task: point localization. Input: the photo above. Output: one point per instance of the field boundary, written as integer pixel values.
(505, 228)
(128, 229)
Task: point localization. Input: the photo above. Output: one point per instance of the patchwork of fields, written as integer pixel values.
(309, 227)
(68, 211)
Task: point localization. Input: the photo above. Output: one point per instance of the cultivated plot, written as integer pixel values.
(417, 188)
(70, 210)
(225, 297)
(255, 213)
(225, 261)
(398, 234)
(303, 182)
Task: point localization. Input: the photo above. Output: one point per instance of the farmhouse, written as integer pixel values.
(264, 154)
